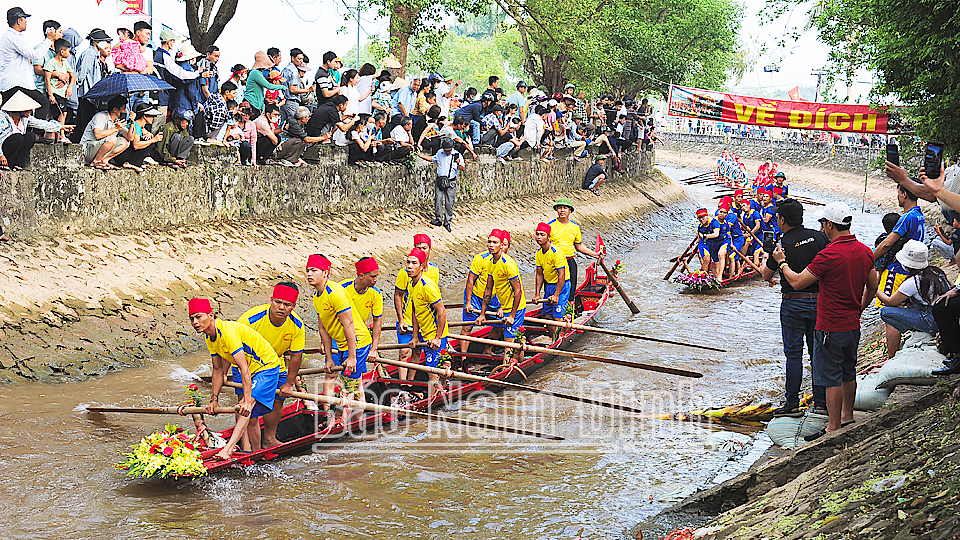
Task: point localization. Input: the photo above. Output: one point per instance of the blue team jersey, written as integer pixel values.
(755, 204)
(733, 223)
(750, 219)
(786, 190)
(910, 226)
(771, 225)
(704, 230)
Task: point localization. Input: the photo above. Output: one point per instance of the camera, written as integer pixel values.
(769, 241)
(932, 159)
(893, 154)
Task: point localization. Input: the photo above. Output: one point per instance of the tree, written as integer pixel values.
(203, 33)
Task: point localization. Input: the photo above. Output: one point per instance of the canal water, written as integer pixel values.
(427, 481)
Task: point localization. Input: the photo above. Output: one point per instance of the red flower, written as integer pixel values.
(168, 451)
(443, 351)
(618, 261)
(154, 449)
(188, 445)
(195, 387)
(337, 389)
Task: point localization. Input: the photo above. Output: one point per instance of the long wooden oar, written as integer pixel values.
(561, 352)
(507, 384)
(585, 328)
(623, 294)
(392, 347)
(401, 412)
(162, 410)
(742, 256)
(682, 255)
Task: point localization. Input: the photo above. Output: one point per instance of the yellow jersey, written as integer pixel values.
(480, 267)
(233, 337)
(432, 273)
(367, 304)
(424, 296)
(551, 263)
(288, 337)
(504, 272)
(330, 303)
(564, 236)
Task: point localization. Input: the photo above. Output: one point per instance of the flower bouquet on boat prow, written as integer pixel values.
(168, 452)
(698, 280)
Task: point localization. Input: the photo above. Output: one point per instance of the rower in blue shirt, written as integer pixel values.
(713, 243)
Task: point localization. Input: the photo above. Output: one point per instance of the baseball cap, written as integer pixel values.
(14, 14)
(521, 84)
(569, 85)
(837, 212)
(791, 210)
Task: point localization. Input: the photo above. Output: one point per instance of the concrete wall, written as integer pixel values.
(59, 196)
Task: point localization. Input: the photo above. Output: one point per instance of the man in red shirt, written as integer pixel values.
(848, 281)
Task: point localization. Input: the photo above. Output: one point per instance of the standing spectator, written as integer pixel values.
(174, 74)
(257, 84)
(323, 81)
(798, 308)
(177, 141)
(59, 90)
(923, 285)
(449, 164)
(210, 86)
(190, 95)
(294, 92)
(910, 226)
(15, 141)
(103, 138)
(382, 101)
(848, 281)
(290, 150)
(273, 54)
(238, 76)
(141, 141)
(17, 59)
(55, 32)
(444, 92)
(267, 139)
(406, 97)
(92, 64)
(349, 88)
(215, 111)
(595, 175)
(366, 87)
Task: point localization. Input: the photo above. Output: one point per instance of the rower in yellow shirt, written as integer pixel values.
(551, 278)
(476, 284)
(366, 298)
(566, 236)
(337, 323)
(429, 315)
(233, 343)
(284, 330)
(402, 303)
(504, 281)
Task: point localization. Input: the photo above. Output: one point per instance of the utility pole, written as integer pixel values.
(358, 35)
(819, 73)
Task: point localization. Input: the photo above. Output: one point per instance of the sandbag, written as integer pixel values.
(727, 441)
(789, 432)
(912, 365)
(869, 397)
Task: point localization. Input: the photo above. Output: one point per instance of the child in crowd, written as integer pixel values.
(274, 97)
(59, 90)
(127, 55)
(889, 222)
(945, 244)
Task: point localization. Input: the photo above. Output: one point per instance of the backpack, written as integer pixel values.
(167, 77)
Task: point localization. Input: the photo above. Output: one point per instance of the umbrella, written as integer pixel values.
(125, 83)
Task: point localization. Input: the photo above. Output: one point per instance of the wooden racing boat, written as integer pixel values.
(302, 427)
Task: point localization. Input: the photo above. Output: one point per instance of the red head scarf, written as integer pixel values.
(419, 254)
(199, 305)
(285, 293)
(366, 266)
(318, 261)
(421, 239)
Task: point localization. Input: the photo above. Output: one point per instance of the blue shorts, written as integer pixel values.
(339, 357)
(263, 391)
(512, 330)
(432, 356)
(403, 337)
(713, 249)
(738, 244)
(476, 303)
(558, 310)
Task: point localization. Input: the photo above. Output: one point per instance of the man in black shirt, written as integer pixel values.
(327, 118)
(595, 175)
(798, 309)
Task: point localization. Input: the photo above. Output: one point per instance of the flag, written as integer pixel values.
(794, 93)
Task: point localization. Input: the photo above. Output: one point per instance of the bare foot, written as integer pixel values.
(132, 167)
(269, 443)
(5, 238)
(225, 454)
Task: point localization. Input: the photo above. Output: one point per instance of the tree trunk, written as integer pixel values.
(202, 36)
(402, 22)
(529, 63)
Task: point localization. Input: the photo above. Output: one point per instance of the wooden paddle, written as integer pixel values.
(569, 354)
(742, 256)
(677, 260)
(162, 410)
(585, 328)
(507, 384)
(401, 412)
(633, 307)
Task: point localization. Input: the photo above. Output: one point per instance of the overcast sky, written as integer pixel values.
(312, 25)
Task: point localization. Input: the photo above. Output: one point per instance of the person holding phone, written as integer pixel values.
(910, 226)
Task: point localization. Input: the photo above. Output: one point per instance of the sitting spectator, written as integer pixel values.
(248, 137)
(58, 90)
(327, 119)
(15, 141)
(457, 132)
(510, 141)
(575, 138)
(923, 285)
(140, 139)
(177, 141)
(267, 131)
(474, 114)
(380, 146)
(103, 138)
(889, 222)
(402, 143)
(426, 126)
(948, 246)
(216, 113)
(491, 126)
(360, 149)
(595, 175)
(289, 152)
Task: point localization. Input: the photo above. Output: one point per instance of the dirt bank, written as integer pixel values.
(82, 305)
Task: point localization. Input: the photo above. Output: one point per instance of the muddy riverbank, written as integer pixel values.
(83, 305)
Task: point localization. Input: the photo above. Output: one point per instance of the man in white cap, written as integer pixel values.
(15, 142)
(848, 281)
(168, 69)
(17, 58)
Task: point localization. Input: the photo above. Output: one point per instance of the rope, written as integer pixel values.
(180, 410)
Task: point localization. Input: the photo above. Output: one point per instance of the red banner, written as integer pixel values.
(134, 7)
(723, 107)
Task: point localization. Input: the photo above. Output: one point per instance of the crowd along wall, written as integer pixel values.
(58, 196)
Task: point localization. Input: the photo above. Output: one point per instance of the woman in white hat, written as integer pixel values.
(923, 285)
(15, 141)
(190, 95)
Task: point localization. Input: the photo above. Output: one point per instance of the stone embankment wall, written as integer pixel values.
(854, 159)
(59, 196)
(104, 262)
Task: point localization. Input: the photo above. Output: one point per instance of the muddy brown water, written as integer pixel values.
(427, 481)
